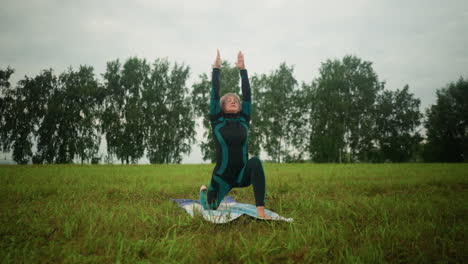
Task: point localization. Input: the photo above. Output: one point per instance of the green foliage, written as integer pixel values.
(256, 132)
(4, 78)
(169, 121)
(447, 125)
(344, 115)
(146, 108)
(123, 117)
(134, 75)
(114, 103)
(343, 213)
(342, 107)
(53, 113)
(58, 113)
(25, 111)
(200, 100)
(6, 104)
(276, 105)
(397, 122)
(69, 128)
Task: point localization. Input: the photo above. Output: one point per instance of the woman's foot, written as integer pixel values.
(203, 197)
(261, 212)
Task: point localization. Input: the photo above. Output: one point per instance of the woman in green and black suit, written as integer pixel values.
(230, 121)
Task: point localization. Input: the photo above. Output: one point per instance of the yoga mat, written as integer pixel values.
(228, 210)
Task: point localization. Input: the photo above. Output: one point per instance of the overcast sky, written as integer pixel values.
(419, 43)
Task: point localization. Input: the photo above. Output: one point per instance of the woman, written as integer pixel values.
(230, 122)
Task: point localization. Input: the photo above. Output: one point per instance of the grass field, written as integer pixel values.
(360, 213)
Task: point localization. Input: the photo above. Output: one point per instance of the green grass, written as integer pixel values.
(360, 213)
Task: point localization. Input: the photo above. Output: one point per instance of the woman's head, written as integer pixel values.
(230, 103)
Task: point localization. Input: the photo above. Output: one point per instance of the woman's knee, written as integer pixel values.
(255, 162)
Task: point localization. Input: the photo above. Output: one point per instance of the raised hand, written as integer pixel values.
(240, 61)
(217, 63)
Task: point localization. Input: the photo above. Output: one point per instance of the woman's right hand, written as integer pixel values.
(240, 61)
(217, 63)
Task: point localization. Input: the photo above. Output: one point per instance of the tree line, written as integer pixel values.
(346, 114)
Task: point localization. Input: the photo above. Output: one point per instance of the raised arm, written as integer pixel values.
(246, 94)
(214, 98)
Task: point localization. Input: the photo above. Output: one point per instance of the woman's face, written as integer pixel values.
(232, 105)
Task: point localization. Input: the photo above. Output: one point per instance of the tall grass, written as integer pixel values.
(359, 213)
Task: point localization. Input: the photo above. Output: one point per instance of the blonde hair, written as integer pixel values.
(226, 96)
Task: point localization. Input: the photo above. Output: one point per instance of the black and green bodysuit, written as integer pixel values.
(230, 132)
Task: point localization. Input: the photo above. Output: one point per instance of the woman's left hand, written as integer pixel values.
(240, 61)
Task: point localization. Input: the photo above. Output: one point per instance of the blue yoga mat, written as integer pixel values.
(228, 210)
